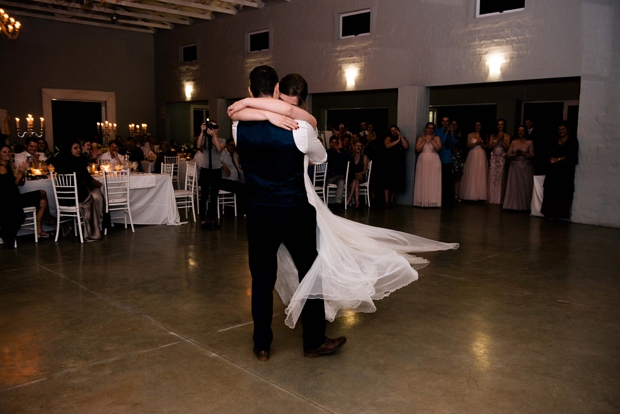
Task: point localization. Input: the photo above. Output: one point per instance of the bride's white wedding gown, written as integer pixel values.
(356, 264)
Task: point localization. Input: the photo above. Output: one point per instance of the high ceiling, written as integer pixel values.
(146, 16)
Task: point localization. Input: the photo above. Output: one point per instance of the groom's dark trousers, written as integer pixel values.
(278, 213)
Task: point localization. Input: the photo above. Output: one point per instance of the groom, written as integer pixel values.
(279, 213)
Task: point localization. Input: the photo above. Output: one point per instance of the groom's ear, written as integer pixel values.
(250, 92)
(276, 91)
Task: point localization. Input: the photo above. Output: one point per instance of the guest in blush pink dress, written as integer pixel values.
(474, 182)
(521, 174)
(498, 145)
(427, 189)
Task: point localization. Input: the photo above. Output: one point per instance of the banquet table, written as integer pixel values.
(151, 199)
(149, 167)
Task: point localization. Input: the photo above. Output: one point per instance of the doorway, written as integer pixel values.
(75, 120)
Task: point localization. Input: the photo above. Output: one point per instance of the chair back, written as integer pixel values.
(167, 169)
(190, 177)
(116, 188)
(320, 171)
(368, 172)
(65, 191)
(174, 159)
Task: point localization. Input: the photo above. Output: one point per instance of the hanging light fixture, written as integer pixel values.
(9, 27)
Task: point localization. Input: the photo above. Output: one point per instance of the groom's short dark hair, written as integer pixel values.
(263, 81)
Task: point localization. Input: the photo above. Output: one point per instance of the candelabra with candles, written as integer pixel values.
(137, 129)
(29, 128)
(9, 27)
(107, 131)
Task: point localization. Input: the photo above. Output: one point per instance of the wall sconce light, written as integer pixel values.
(189, 90)
(350, 74)
(495, 62)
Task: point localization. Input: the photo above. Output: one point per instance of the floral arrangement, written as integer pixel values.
(151, 156)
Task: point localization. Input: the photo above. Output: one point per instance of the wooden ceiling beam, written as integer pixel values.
(79, 21)
(200, 6)
(122, 12)
(142, 6)
(91, 16)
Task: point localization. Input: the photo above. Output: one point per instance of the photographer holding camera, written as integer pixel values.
(210, 173)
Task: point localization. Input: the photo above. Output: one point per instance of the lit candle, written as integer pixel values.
(17, 124)
(138, 129)
(30, 121)
(42, 124)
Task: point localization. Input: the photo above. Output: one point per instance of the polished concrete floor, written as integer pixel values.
(523, 318)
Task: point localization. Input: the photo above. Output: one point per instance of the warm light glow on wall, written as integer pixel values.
(189, 90)
(495, 62)
(350, 74)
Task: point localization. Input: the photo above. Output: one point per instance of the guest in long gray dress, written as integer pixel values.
(521, 174)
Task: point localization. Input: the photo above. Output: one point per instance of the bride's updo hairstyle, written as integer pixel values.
(295, 85)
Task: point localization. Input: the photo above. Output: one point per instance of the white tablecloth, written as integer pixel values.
(537, 195)
(151, 198)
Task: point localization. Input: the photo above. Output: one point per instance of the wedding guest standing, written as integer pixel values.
(458, 158)
(560, 179)
(448, 140)
(498, 145)
(394, 175)
(521, 173)
(427, 189)
(474, 182)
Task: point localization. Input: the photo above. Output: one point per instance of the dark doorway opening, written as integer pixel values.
(378, 117)
(545, 115)
(467, 115)
(75, 120)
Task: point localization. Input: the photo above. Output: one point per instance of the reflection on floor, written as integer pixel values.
(522, 318)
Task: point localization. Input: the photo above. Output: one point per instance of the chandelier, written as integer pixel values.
(9, 27)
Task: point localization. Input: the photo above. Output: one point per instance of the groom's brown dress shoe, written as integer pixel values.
(262, 356)
(329, 346)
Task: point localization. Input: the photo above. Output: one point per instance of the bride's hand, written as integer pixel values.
(236, 107)
(281, 121)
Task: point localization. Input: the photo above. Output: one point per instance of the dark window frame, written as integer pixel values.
(182, 53)
(249, 41)
(478, 4)
(354, 13)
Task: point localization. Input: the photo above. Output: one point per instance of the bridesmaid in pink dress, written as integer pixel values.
(498, 144)
(427, 189)
(474, 182)
(521, 174)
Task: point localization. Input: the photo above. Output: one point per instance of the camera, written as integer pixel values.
(211, 125)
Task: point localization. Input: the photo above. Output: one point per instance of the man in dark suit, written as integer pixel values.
(541, 147)
(279, 213)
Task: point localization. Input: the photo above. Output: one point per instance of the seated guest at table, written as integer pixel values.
(357, 173)
(11, 207)
(337, 159)
(119, 141)
(164, 151)
(232, 174)
(135, 153)
(87, 151)
(89, 195)
(31, 154)
(112, 155)
(43, 148)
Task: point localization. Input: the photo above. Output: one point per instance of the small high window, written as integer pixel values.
(258, 41)
(189, 53)
(355, 23)
(490, 7)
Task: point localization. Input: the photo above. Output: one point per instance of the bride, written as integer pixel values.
(357, 263)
